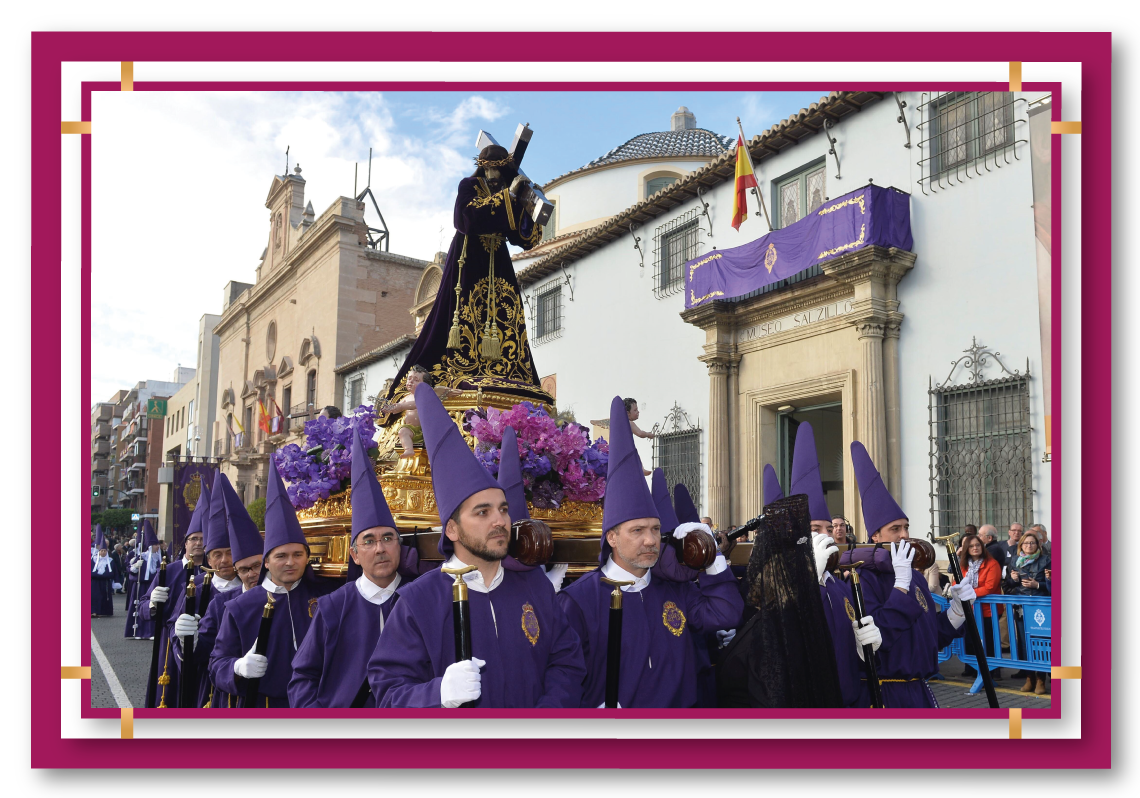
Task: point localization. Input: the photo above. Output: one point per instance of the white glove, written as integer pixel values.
(902, 555)
(461, 683)
(960, 592)
(187, 625)
(725, 636)
(252, 665)
(824, 547)
(868, 634)
(603, 705)
(135, 567)
(556, 575)
(719, 565)
(158, 596)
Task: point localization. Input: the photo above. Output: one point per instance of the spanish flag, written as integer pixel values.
(263, 417)
(745, 179)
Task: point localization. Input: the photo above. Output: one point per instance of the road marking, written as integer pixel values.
(109, 672)
(1007, 690)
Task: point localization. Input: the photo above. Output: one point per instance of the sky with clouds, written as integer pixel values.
(179, 182)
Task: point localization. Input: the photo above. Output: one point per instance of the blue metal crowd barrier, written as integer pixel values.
(1030, 625)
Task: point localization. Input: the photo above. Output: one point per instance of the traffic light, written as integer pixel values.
(95, 491)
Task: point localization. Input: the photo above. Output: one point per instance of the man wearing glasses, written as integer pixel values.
(329, 667)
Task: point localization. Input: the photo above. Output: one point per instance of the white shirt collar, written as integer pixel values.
(612, 570)
(474, 579)
(375, 594)
(271, 587)
(223, 585)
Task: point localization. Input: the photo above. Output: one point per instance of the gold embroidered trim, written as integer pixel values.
(696, 301)
(491, 242)
(701, 263)
(856, 243)
(853, 201)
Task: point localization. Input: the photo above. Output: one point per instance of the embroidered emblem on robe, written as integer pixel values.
(673, 618)
(312, 603)
(850, 610)
(921, 599)
(530, 624)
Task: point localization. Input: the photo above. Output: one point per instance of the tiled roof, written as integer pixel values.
(372, 356)
(692, 143)
(786, 133)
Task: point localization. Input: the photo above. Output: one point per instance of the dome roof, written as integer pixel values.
(689, 143)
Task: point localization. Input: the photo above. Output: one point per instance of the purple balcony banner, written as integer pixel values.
(869, 216)
(188, 481)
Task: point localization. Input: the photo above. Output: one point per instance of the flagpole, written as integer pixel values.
(756, 188)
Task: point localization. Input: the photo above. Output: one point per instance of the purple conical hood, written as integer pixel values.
(217, 532)
(369, 507)
(660, 492)
(686, 509)
(100, 540)
(772, 490)
(879, 507)
(456, 473)
(510, 476)
(245, 539)
(148, 537)
(201, 513)
(281, 524)
(627, 495)
(805, 474)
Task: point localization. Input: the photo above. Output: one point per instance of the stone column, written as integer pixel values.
(893, 402)
(734, 471)
(872, 405)
(719, 443)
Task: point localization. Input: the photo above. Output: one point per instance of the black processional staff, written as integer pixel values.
(874, 686)
(252, 686)
(461, 615)
(188, 683)
(156, 648)
(613, 643)
(971, 622)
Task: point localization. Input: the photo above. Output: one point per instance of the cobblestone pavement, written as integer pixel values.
(952, 690)
(129, 659)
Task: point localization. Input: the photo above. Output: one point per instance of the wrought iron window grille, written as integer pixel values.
(981, 445)
(963, 134)
(546, 312)
(677, 451)
(674, 242)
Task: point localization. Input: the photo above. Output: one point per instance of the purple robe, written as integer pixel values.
(330, 666)
(659, 662)
(207, 637)
(137, 586)
(839, 607)
(205, 643)
(237, 633)
(102, 596)
(533, 656)
(176, 581)
(913, 633)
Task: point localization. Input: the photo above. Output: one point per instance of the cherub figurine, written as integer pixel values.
(410, 433)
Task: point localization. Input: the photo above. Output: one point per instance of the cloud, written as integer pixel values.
(756, 115)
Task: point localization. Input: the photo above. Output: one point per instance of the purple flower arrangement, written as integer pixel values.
(324, 466)
(558, 463)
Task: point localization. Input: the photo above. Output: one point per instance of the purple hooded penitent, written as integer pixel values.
(772, 490)
(510, 476)
(660, 493)
(627, 495)
(456, 473)
(369, 508)
(245, 540)
(879, 507)
(149, 538)
(201, 513)
(683, 502)
(805, 474)
(100, 541)
(281, 524)
(217, 535)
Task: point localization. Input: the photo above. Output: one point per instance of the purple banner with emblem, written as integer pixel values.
(869, 216)
(189, 478)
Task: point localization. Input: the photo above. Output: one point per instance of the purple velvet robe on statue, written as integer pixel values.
(241, 620)
(533, 656)
(913, 633)
(659, 662)
(330, 666)
(837, 601)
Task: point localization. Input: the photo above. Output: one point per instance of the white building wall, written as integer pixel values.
(375, 374)
(975, 275)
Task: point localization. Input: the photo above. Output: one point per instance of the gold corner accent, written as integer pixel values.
(127, 72)
(1066, 672)
(75, 127)
(75, 672)
(1015, 76)
(1015, 723)
(127, 724)
(1066, 127)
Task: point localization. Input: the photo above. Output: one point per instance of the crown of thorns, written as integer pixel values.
(501, 162)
